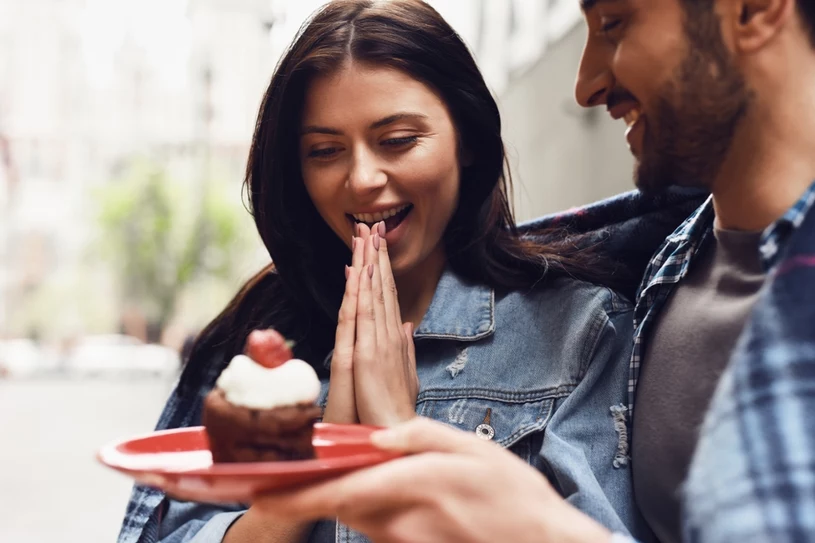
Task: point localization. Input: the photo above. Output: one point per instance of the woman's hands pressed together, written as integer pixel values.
(373, 369)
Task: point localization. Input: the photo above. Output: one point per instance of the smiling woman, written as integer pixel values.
(378, 185)
(390, 155)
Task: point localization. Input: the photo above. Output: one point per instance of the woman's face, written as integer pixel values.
(377, 145)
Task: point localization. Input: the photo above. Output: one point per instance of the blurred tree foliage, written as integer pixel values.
(160, 236)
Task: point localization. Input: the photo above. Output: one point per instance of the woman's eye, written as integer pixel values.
(325, 152)
(399, 142)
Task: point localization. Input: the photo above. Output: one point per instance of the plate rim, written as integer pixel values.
(108, 454)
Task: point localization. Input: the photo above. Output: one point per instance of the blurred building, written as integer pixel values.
(561, 155)
(87, 84)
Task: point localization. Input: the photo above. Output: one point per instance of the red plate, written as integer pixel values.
(179, 463)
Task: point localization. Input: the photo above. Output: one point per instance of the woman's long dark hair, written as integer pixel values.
(300, 293)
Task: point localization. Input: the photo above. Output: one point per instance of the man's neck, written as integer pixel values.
(769, 167)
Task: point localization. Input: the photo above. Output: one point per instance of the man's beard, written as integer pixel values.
(694, 121)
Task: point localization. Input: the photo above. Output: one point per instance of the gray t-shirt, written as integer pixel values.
(687, 352)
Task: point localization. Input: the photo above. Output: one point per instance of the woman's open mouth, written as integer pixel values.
(392, 217)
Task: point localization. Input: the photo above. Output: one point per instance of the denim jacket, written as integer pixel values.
(544, 370)
(550, 364)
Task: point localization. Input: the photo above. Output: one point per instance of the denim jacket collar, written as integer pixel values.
(460, 311)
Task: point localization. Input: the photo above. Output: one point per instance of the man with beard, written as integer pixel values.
(716, 94)
(724, 101)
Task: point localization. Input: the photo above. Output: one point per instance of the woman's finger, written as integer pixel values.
(393, 315)
(369, 252)
(347, 321)
(411, 347)
(341, 404)
(366, 339)
(357, 251)
(383, 333)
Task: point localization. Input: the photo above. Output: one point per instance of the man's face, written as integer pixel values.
(662, 66)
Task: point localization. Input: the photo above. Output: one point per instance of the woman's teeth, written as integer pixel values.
(632, 117)
(372, 218)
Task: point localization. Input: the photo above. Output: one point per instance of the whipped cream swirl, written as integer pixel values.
(248, 384)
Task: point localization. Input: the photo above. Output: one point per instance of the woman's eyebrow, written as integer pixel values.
(397, 117)
(311, 129)
(314, 129)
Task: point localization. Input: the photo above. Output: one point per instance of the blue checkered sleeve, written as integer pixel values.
(753, 475)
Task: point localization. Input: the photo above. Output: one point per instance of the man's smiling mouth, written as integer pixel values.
(632, 117)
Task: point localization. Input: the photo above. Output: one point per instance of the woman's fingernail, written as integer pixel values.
(356, 229)
(376, 241)
(353, 243)
(382, 229)
(370, 271)
(347, 271)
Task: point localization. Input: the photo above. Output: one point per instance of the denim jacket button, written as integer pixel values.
(485, 431)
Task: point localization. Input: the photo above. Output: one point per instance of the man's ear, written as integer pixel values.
(756, 23)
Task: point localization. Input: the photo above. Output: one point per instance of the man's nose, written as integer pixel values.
(594, 77)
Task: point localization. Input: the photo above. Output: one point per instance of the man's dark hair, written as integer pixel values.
(806, 9)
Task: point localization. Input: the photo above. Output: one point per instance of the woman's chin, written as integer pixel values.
(401, 266)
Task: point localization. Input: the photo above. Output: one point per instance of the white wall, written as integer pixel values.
(561, 155)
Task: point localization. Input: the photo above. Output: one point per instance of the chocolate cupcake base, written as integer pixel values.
(241, 434)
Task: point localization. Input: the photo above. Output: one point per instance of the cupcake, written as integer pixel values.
(259, 414)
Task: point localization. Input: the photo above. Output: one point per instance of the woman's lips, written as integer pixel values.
(390, 222)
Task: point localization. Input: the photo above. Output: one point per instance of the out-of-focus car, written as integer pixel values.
(115, 354)
(23, 357)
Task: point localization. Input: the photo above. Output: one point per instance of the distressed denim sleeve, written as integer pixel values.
(188, 522)
(585, 446)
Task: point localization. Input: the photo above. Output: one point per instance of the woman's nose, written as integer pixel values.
(366, 173)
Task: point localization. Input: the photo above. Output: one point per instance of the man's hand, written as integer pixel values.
(453, 487)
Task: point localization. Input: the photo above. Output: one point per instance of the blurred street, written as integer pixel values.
(51, 487)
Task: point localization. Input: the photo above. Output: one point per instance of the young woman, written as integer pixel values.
(377, 183)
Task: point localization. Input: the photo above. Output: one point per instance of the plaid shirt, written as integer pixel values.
(672, 263)
(752, 479)
(753, 476)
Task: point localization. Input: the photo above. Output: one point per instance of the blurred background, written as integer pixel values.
(124, 130)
